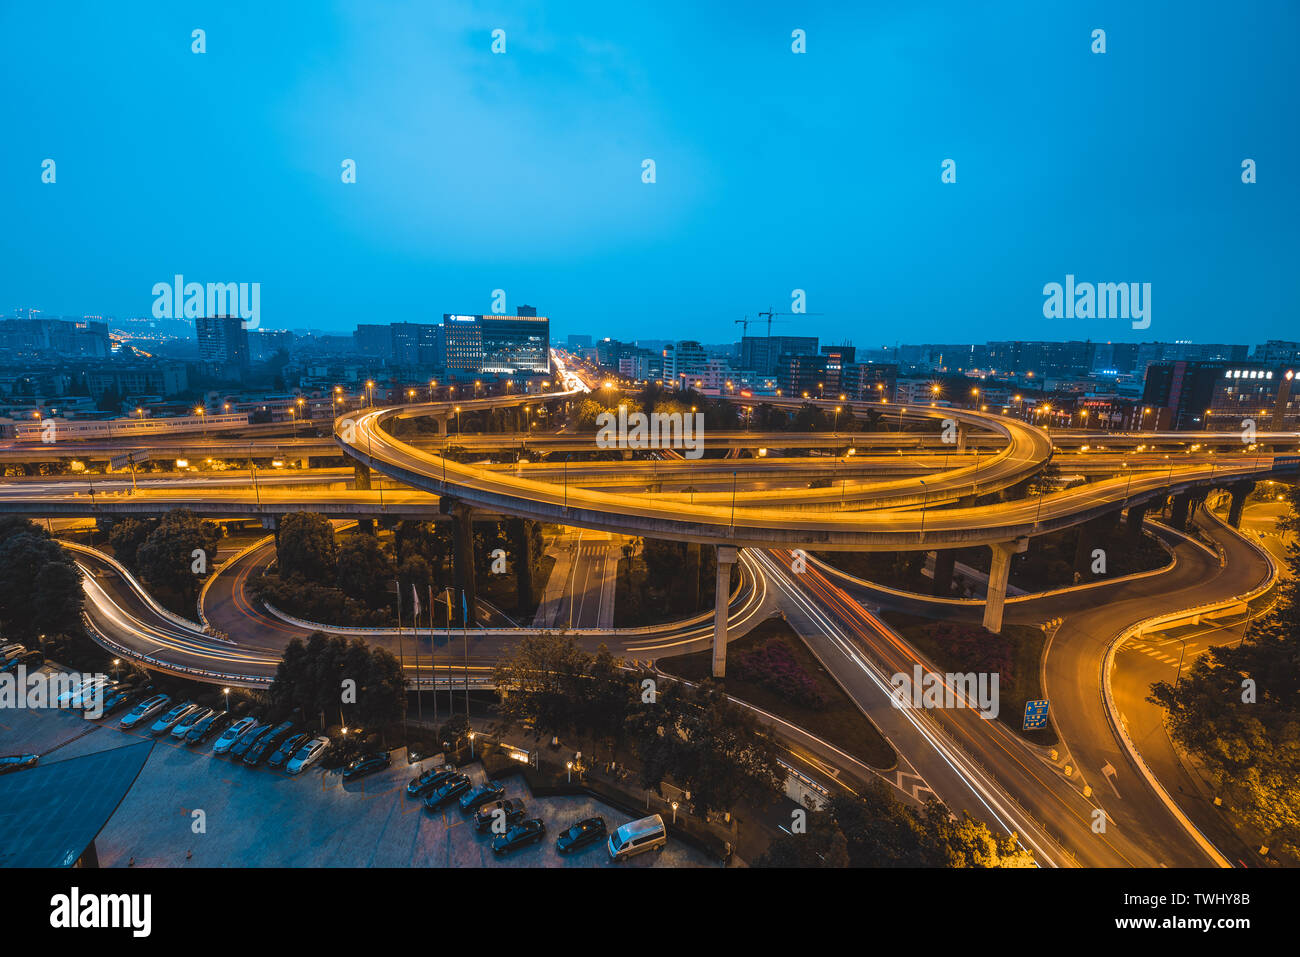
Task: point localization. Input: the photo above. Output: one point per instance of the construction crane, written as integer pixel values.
(771, 313)
(744, 325)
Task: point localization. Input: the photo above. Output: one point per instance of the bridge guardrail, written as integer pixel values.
(134, 583)
(1112, 710)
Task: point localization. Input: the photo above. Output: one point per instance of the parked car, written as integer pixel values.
(168, 720)
(186, 724)
(429, 780)
(212, 724)
(367, 764)
(587, 831)
(286, 749)
(307, 755)
(113, 703)
(447, 791)
(476, 798)
(17, 762)
(74, 697)
(233, 734)
(646, 834)
(264, 747)
(508, 811)
(247, 740)
(145, 710)
(12, 649)
(29, 659)
(522, 834)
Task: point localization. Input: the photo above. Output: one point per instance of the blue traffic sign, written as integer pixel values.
(1036, 715)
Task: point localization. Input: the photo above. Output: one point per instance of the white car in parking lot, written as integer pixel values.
(167, 721)
(77, 694)
(232, 734)
(145, 709)
(307, 755)
(184, 725)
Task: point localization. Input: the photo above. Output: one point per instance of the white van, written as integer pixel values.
(631, 839)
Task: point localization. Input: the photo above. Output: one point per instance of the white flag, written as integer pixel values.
(415, 594)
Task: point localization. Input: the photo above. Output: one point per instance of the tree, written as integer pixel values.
(126, 537)
(290, 688)
(822, 845)
(545, 684)
(40, 585)
(384, 700)
(725, 756)
(167, 557)
(965, 842)
(306, 548)
(413, 573)
(364, 570)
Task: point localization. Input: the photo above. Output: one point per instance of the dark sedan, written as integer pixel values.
(264, 747)
(521, 835)
(366, 764)
(447, 791)
(247, 740)
(212, 724)
(428, 781)
(506, 812)
(475, 799)
(587, 831)
(290, 745)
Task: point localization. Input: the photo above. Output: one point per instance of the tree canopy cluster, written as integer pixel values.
(693, 737)
(872, 829)
(334, 678)
(40, 584)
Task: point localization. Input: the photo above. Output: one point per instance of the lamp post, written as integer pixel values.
(925, 500)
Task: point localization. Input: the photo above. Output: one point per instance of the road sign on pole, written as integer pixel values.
(1036, 715)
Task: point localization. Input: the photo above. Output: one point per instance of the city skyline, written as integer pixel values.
(522, 171)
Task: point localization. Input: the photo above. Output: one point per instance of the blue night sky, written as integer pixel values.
(775, 171)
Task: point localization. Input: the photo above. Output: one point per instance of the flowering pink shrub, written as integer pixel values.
(773, 666)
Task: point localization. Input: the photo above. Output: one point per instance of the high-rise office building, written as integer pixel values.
(514, 344)
(223, 344)
(460, 345)
(1223, 395)
(762, 353)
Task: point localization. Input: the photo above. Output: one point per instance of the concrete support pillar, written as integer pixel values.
(944, 560)
(304, 462)
(1182, 504)
(692, 574)
(441, 422)
(721, 594)
(463, 560)
(366, 526)
(961, 437)
(1239, 493)
(361, 475)
(999, 572)
(1133, 524)
(1083, 550)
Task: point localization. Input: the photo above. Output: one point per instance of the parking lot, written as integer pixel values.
(223, 814)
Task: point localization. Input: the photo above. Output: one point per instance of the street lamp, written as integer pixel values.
(568, 770)
(472, 735)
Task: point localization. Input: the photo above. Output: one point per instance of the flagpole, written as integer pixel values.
(464, 625)
(415, 636)
(401, 664)
(433, 660)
